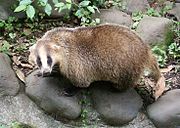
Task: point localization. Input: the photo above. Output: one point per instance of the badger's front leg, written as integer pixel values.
(70, 91)
(77, 86)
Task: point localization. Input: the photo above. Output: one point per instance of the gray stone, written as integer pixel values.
(135, 5)
(21, 109)
(6, 9)
(176, 11)
(9, 84)
(154, 30)
(46, 93)
(116, 107)
(165, 112)
(114, 16)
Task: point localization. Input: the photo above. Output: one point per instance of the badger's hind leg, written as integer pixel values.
(156, 75)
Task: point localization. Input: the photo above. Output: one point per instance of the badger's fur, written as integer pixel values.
(101, 53)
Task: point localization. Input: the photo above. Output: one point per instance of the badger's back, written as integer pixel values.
(106, 52)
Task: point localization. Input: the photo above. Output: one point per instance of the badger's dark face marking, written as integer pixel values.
(45, 64)
(44, 56)
(38, 61)
(49, 61)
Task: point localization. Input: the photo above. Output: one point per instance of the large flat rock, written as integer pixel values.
(165, 112)
(135, 5)
(22, 109)
(46, 92)
(115, 107)
(154, 30)
(114, 16)
(9, 84)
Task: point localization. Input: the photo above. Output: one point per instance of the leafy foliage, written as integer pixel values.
(7, 24)
(119, 4)
(172, 50)
(26, 6)
(5, 48)
(160, 55)
(84, 12)
(137, 16)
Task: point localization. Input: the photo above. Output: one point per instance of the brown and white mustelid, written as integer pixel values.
(101, 53)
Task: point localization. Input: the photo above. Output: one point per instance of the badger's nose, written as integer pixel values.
(45, 72)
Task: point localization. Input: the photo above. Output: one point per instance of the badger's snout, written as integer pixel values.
(45, 72)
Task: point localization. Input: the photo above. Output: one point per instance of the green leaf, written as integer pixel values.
(135, 24)
(20, 8)
(25, 2)
(5, 47)
(69, 1)
(68, 6)
(97, 20)
(43, 2)
(96, 8)
(48, 9)
(55, 1)
(91, 9)
(30, 12)
(84, 3)
(137, 18)
(61, 4)
(1, 25)
(12, 35)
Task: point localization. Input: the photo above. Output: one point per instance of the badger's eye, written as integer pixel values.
(49, 60)
(38, 61)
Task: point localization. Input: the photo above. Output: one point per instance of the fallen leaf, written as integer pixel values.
(159, 88)
(16, 60)
(168, 69)
(26, 65)
(27, 31)
(20, 75)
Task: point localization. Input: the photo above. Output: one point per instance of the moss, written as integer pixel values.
(20, 125)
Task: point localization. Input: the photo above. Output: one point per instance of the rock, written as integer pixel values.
(165, 111)
(46, 93)
(6, 10)
(116, 107)
(9, 84)
(141, 121)
(175, 11)
(155, 30)
(114, 16)
(21, 109)
(135, 5)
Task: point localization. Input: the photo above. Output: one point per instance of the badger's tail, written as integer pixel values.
(153, 67)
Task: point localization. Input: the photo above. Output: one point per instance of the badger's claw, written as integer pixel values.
(69, 91)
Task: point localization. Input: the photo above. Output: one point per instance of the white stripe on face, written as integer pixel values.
(43, 56)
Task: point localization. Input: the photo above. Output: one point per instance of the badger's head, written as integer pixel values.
(45, 55)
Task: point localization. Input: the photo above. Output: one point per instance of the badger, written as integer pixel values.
(105, 52)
